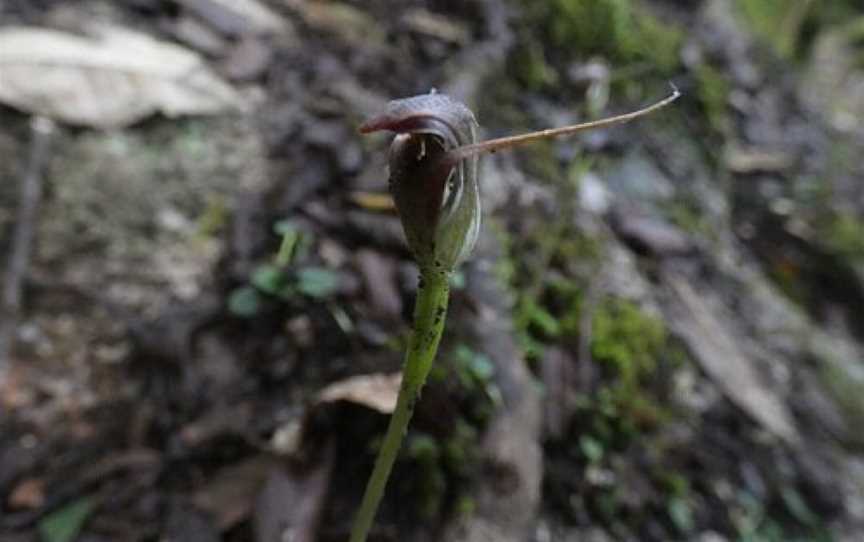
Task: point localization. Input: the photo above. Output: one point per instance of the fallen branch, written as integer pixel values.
(41, 129)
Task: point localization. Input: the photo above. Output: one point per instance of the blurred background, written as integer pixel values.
(206, 292)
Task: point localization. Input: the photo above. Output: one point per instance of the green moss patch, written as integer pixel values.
(620, 30)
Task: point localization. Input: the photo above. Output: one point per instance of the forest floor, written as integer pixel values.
(658, 338)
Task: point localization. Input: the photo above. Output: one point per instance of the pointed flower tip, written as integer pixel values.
(371, 125)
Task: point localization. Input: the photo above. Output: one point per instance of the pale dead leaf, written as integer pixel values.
(341, 19)
(110, 78)
(425, 22)
(376, 391)
(702, 327)
(237, 16)
(741, 160)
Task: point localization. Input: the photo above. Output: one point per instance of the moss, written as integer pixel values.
(442, 469)
(531, 68)
(568, 295)
(505, 267)
(615, 422)
(672, 483)
(579, 247)
(847, 392)
(685, 214)
(540, 162)
(658, 42)
(627, 340)
(788, 25)
(214, 218)
(462, 449)
(429, 479)
(713, 91)
(616, 29)
(445, 465)
(778, 22)
(632, 345)
(843, 234)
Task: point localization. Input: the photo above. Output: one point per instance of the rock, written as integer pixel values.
(593, 194)
(647, 234)
(248, 60)
(637, 177)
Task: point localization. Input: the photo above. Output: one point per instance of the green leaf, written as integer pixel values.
(535, 319)
(591, 448)
(797, 507)
(269, 279)
(244, 302)
(681, 514)
(457, 280)
(284, 227)
(64, 524)
(423, 447)
(317, 282)
(482, 367)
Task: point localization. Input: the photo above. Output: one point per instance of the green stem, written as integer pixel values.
(429, 314)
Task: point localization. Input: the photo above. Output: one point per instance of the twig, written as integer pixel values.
(41, 130)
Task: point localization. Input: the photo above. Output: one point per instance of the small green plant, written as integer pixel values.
(433, 179)
(65, 523)
(281, 278)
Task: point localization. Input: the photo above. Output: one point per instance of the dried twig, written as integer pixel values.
(19, 259)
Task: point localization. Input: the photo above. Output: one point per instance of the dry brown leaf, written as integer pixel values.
(16, 390)
(292, 501)
(29, 494)
(380, 281)
(111, 78)
(376, 391)
(373, 201)
(230, 495)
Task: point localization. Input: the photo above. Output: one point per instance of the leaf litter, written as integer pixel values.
(110, 78)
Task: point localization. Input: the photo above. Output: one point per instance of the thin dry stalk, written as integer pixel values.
(22, 241)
